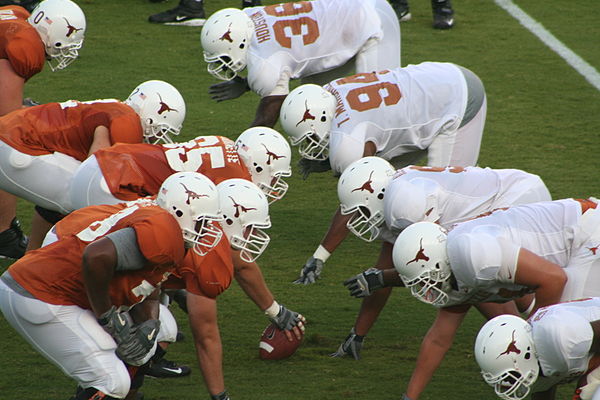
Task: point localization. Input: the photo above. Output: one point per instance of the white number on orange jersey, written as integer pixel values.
(187, 156)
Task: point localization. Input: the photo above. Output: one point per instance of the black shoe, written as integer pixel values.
(13, 241)
(187, 13)
(443, 15)
(250, 3)
(167, 369)
(401, 9)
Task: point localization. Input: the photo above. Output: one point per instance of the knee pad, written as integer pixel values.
(168, 326)
(49, 216)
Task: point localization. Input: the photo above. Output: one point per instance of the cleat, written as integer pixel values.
(351, 346)
(167, 369)
(13, 241)
(187, 13)
(443, 15)
(401, 9)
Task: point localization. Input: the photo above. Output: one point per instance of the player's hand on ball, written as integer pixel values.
(365, 283)
(228, 90)
(310, 272)
(289, 321)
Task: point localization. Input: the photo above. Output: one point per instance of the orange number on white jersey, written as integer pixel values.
(369, 97)
(301, 26)
(455, 170)
(187, 156)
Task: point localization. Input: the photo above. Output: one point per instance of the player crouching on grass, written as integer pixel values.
(92, 309)
(246, 215)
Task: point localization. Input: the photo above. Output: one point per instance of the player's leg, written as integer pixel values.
(69, 337)
(377, 55)
(88, 186)
(461, 147)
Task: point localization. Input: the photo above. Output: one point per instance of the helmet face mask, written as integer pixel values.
(225, 39)
(267, 155)
(306, 116)
(505, 352)
(421, 259)
(192, 199)
(61, 25)
(161, 109)
(246, 215)
(361, 191)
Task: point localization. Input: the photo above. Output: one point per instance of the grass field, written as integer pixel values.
(543, 117)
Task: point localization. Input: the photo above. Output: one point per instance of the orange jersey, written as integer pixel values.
(20, 43)
(208, 275)
(54, 273)
(133, 171)
(68, 127)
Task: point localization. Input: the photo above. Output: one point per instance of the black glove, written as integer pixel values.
(365, 283)
(288, 319)
(310, 272)
(136, 349)
(134, 342)
(307, 166)
(229, 89)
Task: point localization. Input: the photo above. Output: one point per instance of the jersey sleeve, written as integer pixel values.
(345, 148)
(26, 53)
(159, 239)
(563, 341)
(208, 275)
(481, 260)
(126, 129)
(265, 78)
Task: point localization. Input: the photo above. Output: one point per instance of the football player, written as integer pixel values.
(557, 344)
(51, 140)
(246, 217)
(432, 108)
(54, 31)
(312, 40)
(397, 199)
(546, 248)
(86, 302)
(127, 171)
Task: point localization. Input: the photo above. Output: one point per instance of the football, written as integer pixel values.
(274, 344)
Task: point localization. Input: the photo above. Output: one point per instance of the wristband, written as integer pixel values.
(529, 309)
(272, 310)
(321, 253)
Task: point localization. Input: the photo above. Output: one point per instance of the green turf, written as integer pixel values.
(542, 117)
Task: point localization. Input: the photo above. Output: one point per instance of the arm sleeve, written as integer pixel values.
(482, 260)
(129, 257)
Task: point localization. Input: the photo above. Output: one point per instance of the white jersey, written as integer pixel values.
(483, 252)
(305, 38)
(400, 111)
(455, 194)
(563, 337)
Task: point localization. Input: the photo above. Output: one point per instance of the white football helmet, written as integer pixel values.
(225, 39)
(193, 200)
(361, 190)
(246, 213)
(61, 25)
(267, 155)
(306, 116)
(505, 352)
(421, 259)
(161, 109)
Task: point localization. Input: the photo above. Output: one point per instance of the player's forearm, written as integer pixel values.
(337, 232)
(429, 359)
(251, 280)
